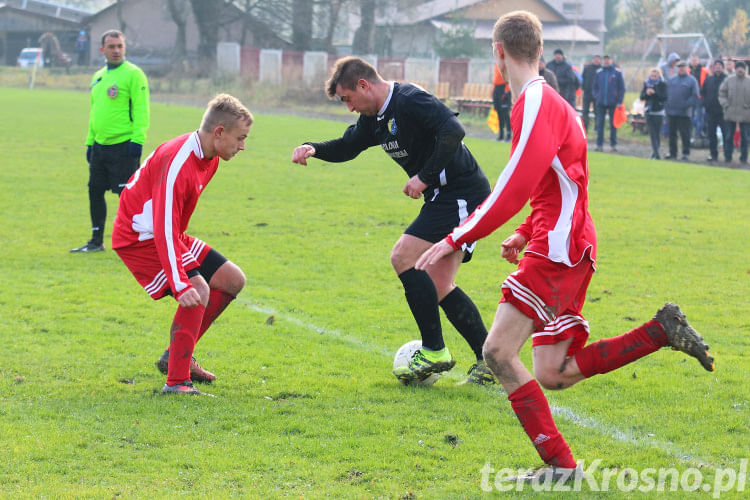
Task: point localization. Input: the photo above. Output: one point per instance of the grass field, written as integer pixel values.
(306, 406)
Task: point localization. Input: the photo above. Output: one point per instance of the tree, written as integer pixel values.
(302, 22)
(719, 14)
(178, 11)
(458, 42)
(734, 36)
(640, 21)
(364, 37)
(208, 17)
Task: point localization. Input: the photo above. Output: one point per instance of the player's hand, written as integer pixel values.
(302, 153)
(414, 187)
(512, 246)
(190, 298)
(433, 254)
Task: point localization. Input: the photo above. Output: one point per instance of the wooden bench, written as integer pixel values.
(441, 90)
(475, 97)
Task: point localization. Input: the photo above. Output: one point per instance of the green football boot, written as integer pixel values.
(424, 363)
(479, 374)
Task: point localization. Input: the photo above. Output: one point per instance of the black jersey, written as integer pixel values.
(421, 134)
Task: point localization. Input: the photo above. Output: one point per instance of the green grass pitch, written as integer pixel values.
(306, 406)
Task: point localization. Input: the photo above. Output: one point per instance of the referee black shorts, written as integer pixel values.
(442, 212)
(111, 166)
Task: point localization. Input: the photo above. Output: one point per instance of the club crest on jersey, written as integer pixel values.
(392, 128)
(112, 91)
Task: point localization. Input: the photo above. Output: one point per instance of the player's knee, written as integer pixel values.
(549, 380)
(498, 358)
(237, 283)
(398, 260)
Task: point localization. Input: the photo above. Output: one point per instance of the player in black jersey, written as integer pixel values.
(423, 136)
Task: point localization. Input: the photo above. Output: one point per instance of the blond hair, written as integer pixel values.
(651, 70)
(520, 32)
(225, 110)
(347, 71)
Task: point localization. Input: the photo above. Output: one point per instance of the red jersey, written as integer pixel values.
(547, 167)
(159, 199)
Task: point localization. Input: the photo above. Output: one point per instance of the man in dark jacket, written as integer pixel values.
(567, 79)
(682, 96)
(589, 73)
(609, 91)
(714, 112)
(548, 76)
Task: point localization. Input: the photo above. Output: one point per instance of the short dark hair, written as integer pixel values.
(347, 71)
(558, 51)
(719, 61)
(740, 64)
(113, 34)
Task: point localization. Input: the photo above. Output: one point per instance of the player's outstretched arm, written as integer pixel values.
(302, 153)
(433, 254)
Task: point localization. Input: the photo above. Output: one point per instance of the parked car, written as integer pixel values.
(28, 55)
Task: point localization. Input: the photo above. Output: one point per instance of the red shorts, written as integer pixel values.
(552, 294)
(143, 262)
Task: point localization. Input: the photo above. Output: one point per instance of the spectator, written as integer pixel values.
(82, 48)
(699, 72)
(682, 96)
(669, 69)
(548, 75)
(501, 102)
(609, 92)
(589, 73)
(734, 96)
(567, 80)
(654, 93)
(714, 113)
(729, 66)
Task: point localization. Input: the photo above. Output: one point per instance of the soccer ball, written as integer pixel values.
(402, 358)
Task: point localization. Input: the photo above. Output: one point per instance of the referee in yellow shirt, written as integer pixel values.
(118, 122)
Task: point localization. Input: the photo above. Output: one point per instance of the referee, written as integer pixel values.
(118, 122)
(424, 136)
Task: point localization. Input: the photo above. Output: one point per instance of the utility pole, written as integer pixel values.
(664, 28)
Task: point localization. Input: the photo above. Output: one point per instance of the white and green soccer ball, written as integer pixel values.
(402, 358)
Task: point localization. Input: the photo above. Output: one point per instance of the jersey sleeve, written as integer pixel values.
(438, 120)
(356, 139)
(139, 96)
(529, 161)
(90, 134)
(168, 194)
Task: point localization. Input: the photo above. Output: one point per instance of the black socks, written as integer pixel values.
(422, 298)
(465, 317)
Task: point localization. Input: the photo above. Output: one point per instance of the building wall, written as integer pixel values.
(151, 30)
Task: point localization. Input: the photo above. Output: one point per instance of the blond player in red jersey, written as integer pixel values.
(543, 299)
(149, 235)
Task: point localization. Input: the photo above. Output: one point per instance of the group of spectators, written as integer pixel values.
(691, 97)
(695, 100)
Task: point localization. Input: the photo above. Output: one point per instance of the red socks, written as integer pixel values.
(218, 300)
(609, 354)
(187, 321)
(533, 412)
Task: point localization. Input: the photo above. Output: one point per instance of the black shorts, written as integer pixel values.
(111, 166)
(441, 213)
(213, 261)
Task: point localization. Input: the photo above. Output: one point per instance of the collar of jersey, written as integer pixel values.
(387, 101)
(197, 149)
(530, 82)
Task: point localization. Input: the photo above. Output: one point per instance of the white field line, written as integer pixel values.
(558, 411)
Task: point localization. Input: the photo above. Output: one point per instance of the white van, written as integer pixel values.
(28, 55)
